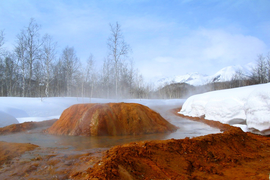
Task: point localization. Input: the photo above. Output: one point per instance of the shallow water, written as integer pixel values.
(187, 128)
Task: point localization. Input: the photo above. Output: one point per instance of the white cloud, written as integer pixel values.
(203, 50)
(223, 47)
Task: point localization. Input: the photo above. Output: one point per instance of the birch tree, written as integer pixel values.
(28, 50)
(20, 51)
(2, 68)
(90, 75)
(268, 67)
(1, 41)
(33, 48)
(71, 65)
(118, 51)
(49, 55)
(260, 71)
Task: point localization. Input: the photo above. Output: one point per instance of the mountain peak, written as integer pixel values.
(197, 79)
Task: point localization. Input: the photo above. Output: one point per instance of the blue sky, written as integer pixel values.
(167, 37)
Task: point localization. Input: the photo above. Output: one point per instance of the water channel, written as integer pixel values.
(187, 128)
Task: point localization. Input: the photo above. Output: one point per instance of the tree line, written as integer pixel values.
(34, 68)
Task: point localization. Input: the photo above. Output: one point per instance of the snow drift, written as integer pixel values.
(6, 119)
(246, 105)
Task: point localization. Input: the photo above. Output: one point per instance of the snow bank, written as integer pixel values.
(6, 119)
(246, 105)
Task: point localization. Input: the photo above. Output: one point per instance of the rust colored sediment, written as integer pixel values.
(10, 150)
(229, 155)
(14, 128)
(110, 119)
(232, 154)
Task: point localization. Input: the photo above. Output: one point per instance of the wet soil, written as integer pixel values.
(8, 151)
(232, 154)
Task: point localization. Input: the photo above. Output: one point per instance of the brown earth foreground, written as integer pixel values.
(232, 154)
(112, 119)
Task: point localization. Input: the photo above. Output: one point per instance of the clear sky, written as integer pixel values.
(167, 37)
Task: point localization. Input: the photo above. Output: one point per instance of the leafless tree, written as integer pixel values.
(1, 41)
(33, 47)
(260, 70)
(90, 78)
(49, 55)
(28, 49)
(71, 65)
(20, 51)
(106, 78)
(268, 67)
(118, 51)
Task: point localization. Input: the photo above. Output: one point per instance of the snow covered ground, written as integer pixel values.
(18, 109)
(245, 107)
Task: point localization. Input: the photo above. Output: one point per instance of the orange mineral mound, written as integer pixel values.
(110, 119)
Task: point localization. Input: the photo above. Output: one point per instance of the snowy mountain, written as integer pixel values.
(197, 79)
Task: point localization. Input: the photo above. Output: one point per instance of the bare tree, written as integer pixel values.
(71, 65)
(33, 47)
(9, 74)
(106, 79)
(28, 49)
(59, 78)
(1, 63)
(90, 77)
(268, 67)
(260, 71)
(118, 51)
(20, 51)
(1, 40)
(49, 55)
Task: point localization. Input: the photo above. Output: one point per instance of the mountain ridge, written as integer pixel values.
(197, 79)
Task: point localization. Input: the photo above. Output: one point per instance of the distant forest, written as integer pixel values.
(34, 69)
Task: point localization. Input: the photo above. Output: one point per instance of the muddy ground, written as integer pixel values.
(232, 154)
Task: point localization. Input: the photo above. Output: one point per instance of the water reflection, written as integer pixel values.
(187, 128)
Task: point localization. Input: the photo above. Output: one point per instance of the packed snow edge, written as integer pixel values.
(248, 105)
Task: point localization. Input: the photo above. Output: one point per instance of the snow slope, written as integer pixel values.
(7, 119)
(18, 109)
(247, 107)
